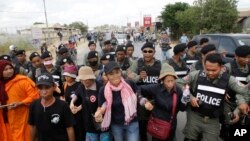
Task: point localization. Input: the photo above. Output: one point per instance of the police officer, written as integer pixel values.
(54, 71)
(121, 59)
(239, 68)
(37, 65)
(209, 87)
(191, 55)
(177, 60)
(108, 49)
(210, 48)
(130, 50)
(92, 47)
(62, 53)
(18, 70)
(93, 61)
(145, 71)
(21, 61)
(203, 42)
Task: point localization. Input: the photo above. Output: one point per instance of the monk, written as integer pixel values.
(19, 91)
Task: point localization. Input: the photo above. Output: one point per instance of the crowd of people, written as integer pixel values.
(117, 96)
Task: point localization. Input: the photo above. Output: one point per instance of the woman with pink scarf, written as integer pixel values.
(117, 105)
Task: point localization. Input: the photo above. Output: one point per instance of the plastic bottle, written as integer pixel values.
(186, 95)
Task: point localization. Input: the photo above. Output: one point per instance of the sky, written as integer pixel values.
(19, 13)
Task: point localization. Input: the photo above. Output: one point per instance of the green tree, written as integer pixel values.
(218, 15)
(189, 20)
(79, 25)
(169, 17)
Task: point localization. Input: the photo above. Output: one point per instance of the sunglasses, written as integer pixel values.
(148, 51)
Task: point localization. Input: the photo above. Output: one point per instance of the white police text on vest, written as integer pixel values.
(209, 100)
(151, 79)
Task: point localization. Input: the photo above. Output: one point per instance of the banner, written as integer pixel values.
(147, 21)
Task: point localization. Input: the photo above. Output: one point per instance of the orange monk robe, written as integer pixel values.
(20, 89)
(3, 128)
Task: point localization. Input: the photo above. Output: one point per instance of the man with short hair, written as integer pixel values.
(121, 58)
(208, 49)
(240, 69)
(177, 61)
(108, 49)
(145, 71)
(191, 55)
(54, 71)
(92, 47)
(50, 119)
(209, 87)
(184, 38)
(165, 45)
(21, 61)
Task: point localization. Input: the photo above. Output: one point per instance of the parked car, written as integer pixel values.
(225, 42)
(122, 38)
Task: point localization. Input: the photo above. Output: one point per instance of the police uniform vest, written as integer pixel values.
(125, 64)
(153, 71)
(180, 71)
(26, 66)
(198, 65)
(239, 75)
(211, 95)
(190, 60)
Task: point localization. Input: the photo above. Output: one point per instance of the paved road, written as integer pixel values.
(83, 49)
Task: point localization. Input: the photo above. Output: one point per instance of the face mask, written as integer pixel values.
(93, 63)
(47, 62)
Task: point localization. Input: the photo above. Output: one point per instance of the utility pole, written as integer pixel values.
(47, 26)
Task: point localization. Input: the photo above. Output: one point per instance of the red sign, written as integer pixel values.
(129, 25)
(137, 24)
(147, 21)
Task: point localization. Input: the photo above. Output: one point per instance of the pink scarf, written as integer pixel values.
(129, 101)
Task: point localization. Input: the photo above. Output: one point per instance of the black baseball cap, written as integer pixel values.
(92, 54)
(111, 66)
(148, 45)
(65, 60)
(46, 54)
(105, 57)
(63, 50)
(5, 57)
(33, 55)
(20, 52)
(121, 48)
(45, 79)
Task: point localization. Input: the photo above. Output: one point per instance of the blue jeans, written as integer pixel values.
(130, 132)
(166, 55)
(105, 136)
